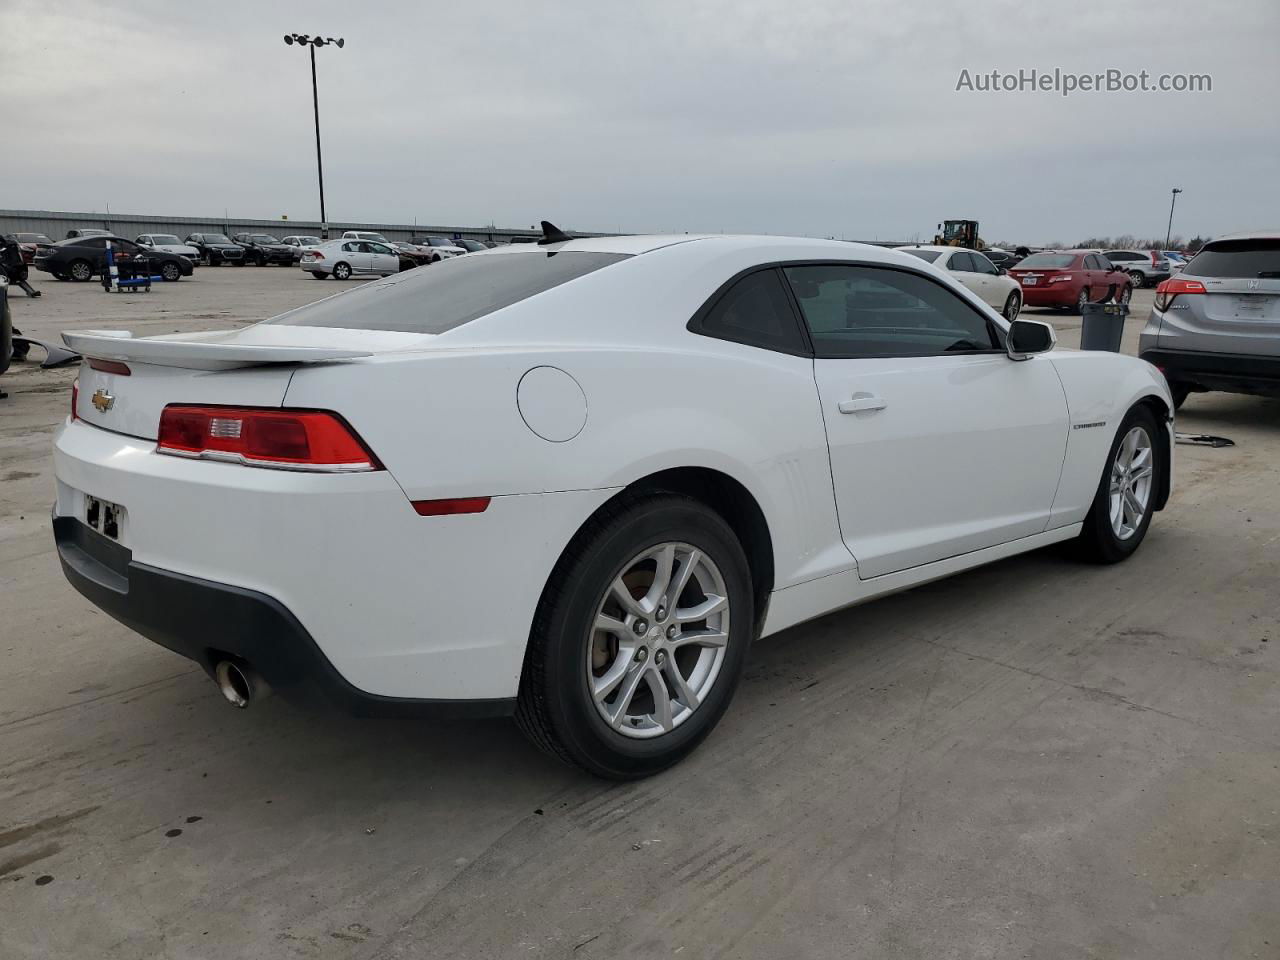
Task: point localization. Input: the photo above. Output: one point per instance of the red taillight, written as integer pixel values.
(109, 366)
(1155, 261)
(284, 439)
(1175, 287)
(444, 508)
(75, 398)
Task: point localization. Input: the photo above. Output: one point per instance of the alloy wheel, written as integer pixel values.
(81, 271)
(1012, 306)
(1131, 476)
(658, 640)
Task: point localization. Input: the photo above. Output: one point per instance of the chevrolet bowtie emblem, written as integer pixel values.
(103, 400)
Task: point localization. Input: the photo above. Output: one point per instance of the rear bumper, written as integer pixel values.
(209, 622)
(399, 606)
(1230, 372)
(1050, 295)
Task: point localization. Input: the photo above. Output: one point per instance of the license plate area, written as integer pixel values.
(1030, 281)
(105, 517)
(1251, 308)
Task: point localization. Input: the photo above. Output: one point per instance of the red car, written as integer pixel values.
(29, 243)
(1070, 279)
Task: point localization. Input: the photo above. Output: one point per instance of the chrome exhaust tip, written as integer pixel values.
(239, 684)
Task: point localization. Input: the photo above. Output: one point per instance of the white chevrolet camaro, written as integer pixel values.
(574, 481)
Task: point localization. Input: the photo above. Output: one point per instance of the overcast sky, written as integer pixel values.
(816, 117)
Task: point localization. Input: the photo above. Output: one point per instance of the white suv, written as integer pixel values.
(1144, 269)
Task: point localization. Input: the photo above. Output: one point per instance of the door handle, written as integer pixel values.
(861, 403)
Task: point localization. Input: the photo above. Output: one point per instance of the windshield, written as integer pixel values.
(263, 238)
(929, 255)
(1237, 258)
(32, 238)
(216, 238)
(439, 242)
(1047, 260)
(164, 238)
(451, 293)
(472, 245)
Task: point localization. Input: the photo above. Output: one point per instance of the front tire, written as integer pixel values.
(1122, 507)
(1139, 279)
(639, 638)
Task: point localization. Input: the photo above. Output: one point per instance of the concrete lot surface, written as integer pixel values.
(1035, 759)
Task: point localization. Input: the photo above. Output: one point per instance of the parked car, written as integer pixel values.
(344, 259)
(365, 235)
(168, 243)
(83, 258)
(1216, 325)
(82, 232)
(30, 243)
(217, 248)
(261, 249)
(412, 255)
(441, 248)
(300, 242)
(975, 271)
(471, 246)
(1144, 269)
(1176, 260)
(1001, 258)
(456, 430)
(1070, 279)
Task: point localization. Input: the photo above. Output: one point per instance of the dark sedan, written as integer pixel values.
(83, 258)
(262, 249)
(217, 249)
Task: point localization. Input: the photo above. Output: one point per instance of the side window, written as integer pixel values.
(854, 311)
(1093, 262)
(982, 265)
(756, 311)
(961, 261)
(1119, 256)
(349, 247)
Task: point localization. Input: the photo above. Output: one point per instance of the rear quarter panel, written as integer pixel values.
(447, 424)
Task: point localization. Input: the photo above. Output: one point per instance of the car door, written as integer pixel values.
(384, 259)
(1099, 276)
(993, 291)
(960, 266)
(939, 443)
(358, 254)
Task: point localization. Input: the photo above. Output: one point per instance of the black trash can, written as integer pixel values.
(1103, 326)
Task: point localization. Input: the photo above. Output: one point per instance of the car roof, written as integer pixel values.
(1248, 235)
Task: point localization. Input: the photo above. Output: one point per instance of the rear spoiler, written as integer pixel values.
(176, 351)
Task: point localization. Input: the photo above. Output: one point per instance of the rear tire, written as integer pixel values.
(342, 271)
(1082, 299)
(80, 271)
(1113, 532)
(1012, 307)
(171, 271)
(569, 657)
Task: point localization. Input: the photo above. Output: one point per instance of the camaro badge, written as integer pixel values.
(103, 400)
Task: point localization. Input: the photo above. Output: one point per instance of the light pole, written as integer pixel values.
(1169, 233)
(312, 42)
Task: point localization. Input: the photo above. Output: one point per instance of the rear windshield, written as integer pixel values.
(1046, 261)
(1236, 258)
(929, 255)
(449, 294)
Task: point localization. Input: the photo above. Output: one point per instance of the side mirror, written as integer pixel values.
(1028, 337)
(1002, 271)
